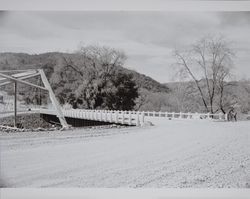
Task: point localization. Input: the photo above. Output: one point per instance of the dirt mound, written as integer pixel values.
(27, 121)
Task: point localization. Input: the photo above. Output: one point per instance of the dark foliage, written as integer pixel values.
(79, 81)
(123, 96)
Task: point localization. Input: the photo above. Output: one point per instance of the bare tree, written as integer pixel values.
(208, 62)
(101, 59)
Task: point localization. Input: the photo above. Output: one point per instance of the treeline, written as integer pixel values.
(93, 77)
(185, 97)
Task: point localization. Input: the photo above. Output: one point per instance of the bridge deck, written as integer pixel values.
(118, 117)
(132, 118)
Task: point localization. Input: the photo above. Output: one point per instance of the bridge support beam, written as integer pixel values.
(54, 100)
(20, 78)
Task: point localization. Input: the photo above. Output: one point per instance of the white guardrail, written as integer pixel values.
(131, 117)
(119, 117)
(180, 115)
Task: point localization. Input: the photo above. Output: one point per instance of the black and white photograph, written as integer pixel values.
(125, 99)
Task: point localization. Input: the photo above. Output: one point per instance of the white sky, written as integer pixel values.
(147, 37)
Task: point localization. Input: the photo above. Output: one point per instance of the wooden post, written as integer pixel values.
(116, 116)
(106, 116)
(208, 116)
(137, 120)
(99, 113)
(15, 104)
(130, 119)
(81, 113)
(110, 116)
(122, 117)
(143, 117)
(166, 114)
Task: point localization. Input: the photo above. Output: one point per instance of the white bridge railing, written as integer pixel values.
(180, 115)
(120, 117)
(136, 118)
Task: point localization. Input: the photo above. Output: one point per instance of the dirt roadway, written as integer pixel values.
(171, 154)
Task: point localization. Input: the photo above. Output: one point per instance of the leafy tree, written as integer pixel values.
(123, 93)
(152, 101)
(91, 79)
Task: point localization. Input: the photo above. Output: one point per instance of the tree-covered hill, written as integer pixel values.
(78, 81)
(186, 96)
(152, 95)
(47, 61)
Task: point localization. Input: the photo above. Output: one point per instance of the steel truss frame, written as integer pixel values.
(20, 76)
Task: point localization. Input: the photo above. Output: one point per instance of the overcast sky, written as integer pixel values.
(148, 38)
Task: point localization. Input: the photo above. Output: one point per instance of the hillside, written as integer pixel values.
(236, 92)
(47, 61)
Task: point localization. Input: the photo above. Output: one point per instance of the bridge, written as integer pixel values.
(131, 118)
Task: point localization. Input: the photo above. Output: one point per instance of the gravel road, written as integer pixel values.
(171, 154)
